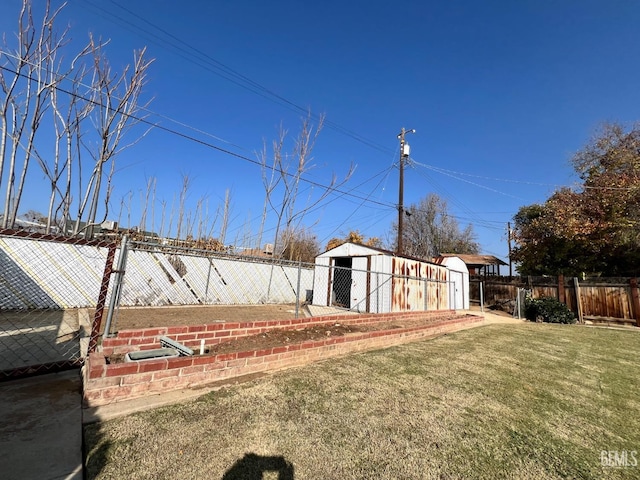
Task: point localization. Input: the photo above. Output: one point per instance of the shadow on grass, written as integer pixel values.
(252, 467)
(95, 450)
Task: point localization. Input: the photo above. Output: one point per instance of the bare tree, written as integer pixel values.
(282, 177)
(151, 187)
(68, 116)
(182, 198)
(31, 78)
(118, 103)
(430, 230)
(26, 95)
(225, 216)
(301, 245)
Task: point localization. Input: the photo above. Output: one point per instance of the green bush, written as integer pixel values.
(548, 309)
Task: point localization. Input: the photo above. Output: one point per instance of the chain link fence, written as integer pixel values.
(59, 295)
(155, 275)
(359, 290)
(49, 291)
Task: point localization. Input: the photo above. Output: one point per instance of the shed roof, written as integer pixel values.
(476, 260)
(349, 248)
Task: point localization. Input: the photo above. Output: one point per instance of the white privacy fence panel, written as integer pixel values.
(157, 275)
(37, 274)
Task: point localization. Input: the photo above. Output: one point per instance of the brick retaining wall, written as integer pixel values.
(222, 331)
(107, 383)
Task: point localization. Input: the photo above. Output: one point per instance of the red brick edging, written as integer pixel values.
(107, 383)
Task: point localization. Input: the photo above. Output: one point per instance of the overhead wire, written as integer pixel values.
(343, 193)
(219, 68)
(200, 141)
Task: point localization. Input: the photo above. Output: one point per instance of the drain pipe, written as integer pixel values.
(117, 285)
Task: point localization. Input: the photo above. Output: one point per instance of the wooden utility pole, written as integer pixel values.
(404, 154)
(509, 243)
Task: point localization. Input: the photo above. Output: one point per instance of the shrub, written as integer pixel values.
(548, 309)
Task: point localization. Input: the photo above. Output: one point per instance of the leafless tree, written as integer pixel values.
(24, 80)
(225, 216)
(69, 114)
(182, 198)
(118, 106)
(39, 74)
(430, 230)
(301, 245)
(282, 176)
(149, 192)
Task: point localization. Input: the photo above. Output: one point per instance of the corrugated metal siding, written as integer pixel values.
(380, 284)
(359, 284)
(321, 281)
(418, 286)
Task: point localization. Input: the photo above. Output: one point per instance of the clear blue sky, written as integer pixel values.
(501, 93)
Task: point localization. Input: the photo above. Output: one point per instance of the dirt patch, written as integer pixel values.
(280, 337)
(169, 316)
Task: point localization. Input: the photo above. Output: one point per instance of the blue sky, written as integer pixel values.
(501, 93)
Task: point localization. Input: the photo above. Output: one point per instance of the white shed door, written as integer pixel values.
(359, 284)
(456, 290)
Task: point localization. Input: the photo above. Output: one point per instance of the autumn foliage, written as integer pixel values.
(593, 229)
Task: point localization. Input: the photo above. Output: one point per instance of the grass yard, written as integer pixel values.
(528, 401)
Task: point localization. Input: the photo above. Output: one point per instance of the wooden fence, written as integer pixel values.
(602, 300)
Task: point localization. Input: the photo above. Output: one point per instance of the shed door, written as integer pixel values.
(341, 291)
(456, 290)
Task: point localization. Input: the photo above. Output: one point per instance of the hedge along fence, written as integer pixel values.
(106, 383)
(598, 299)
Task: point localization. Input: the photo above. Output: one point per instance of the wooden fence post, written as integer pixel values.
(576, 285)
(635, 300)
(561, 294)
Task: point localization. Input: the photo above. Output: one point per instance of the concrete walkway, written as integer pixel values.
(41, 427)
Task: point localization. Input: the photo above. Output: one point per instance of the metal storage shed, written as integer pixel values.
(459, 278)
(373, 280)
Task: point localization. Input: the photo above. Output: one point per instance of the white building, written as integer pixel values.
(373, 280)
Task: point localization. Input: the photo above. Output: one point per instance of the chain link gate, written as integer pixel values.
(49, 290)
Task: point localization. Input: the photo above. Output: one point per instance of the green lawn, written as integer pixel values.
(505, 401)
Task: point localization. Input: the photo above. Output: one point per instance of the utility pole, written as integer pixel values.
(404, 154)
(509, 243)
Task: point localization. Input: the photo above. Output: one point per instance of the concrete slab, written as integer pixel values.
(41, 427)
(36, 337)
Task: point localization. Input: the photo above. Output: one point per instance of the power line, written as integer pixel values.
(342, 193)
(218, 68)
(202, 142)
(451, 173)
